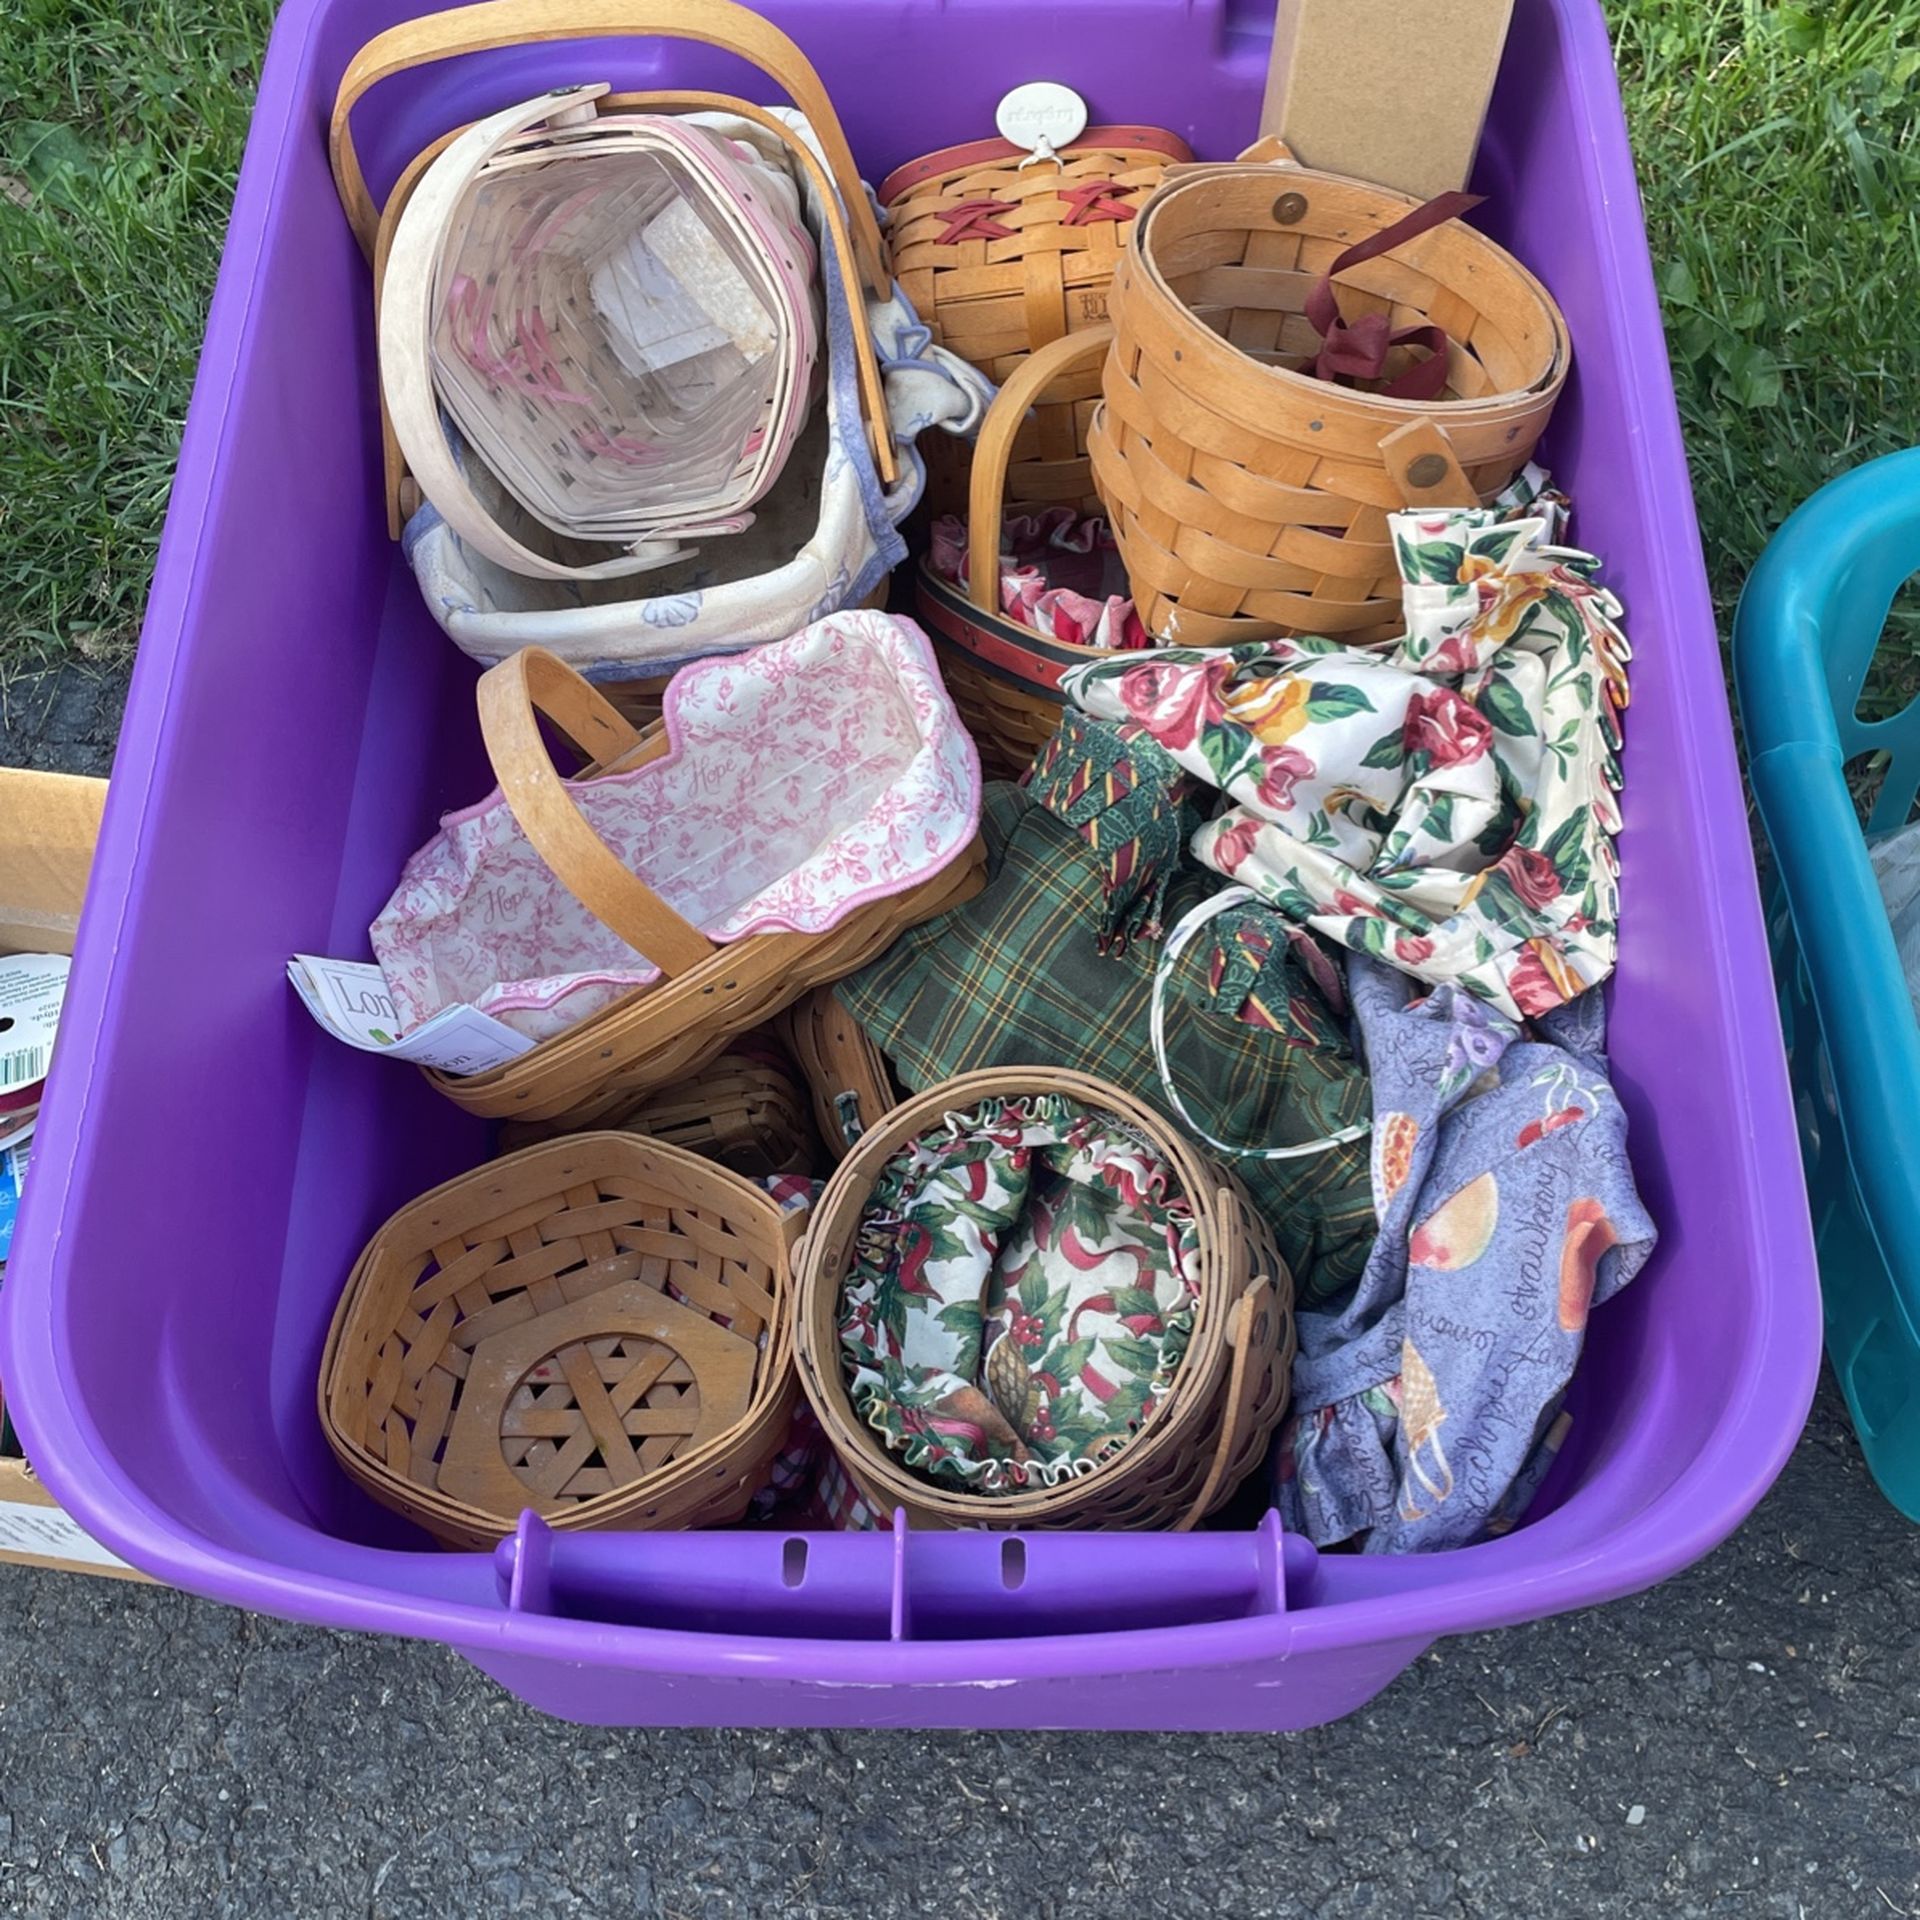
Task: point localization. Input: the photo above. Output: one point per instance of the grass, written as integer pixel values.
(1779, 150)
(118, 149)
(1780, 157)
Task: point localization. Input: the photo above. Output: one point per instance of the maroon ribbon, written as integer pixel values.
(974, 220)
(1091, 200)
(1355, 350)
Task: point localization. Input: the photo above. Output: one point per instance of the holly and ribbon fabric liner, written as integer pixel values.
(1022, 1293)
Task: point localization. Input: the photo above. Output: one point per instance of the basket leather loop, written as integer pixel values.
(1422, 463)
(506, 23)
(511, 697)
(987, 488)
(1357, 349)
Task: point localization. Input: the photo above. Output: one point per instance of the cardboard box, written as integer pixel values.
(36, 1532)
(49, 823)
(1385, 90)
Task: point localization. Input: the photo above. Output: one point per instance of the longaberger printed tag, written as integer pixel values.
(1043, 116)
(32, 986)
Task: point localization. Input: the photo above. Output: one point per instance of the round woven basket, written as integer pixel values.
(999, 259)
(1249, 498)
(598, 1328)
(1003, 676)
(748, 1111)
(1228, 1395)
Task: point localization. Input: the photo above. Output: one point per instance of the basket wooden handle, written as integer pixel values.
(1243, 1389)
(987, 489)
(506, 23)
(512, 696)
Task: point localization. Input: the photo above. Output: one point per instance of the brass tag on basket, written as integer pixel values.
(1043, 116)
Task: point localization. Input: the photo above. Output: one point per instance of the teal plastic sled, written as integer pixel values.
(1809, 623)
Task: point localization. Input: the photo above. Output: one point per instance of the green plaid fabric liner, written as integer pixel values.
(1016, 977)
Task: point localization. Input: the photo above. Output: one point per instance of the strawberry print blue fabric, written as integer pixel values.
(1429, 1403)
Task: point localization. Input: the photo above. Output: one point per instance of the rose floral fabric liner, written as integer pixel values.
(1427, 1406)
(806, 778)
(1448, 803)
(1052, 576)
(1021, 1295)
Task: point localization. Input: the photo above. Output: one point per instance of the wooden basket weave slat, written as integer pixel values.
(1228, 1396)
(846, 1074)
(1248, 497)
(747, 1110)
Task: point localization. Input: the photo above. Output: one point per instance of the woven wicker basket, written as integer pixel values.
(847, 1075)
(747, 1111)
(1249, 498)
(459, 31)
(1003, 676)
(598, 1328)
(1030, 259)
(658, 1035)
(1226, 1401)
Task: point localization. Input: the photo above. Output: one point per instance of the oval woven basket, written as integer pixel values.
(598, 1328)
(1227, 1397)
(999, 259)
(1003, 676)
(1249, 498)
(653, 1036)
(747, 1111)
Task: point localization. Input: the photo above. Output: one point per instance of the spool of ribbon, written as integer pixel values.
(1355, 350)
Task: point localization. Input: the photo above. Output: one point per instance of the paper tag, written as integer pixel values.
(350, 999)
(1043, 116)
(13, 1176)
(32, 986)
(51, 1534)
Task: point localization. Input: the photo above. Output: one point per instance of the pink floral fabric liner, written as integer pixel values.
(806, 778)
(1035, 551)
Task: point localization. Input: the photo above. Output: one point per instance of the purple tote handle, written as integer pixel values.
(898, 1585)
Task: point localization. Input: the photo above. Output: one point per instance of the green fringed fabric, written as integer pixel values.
(1133, 804)
(1271, 975)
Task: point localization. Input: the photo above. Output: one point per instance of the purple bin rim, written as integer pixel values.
(1692, 1516)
